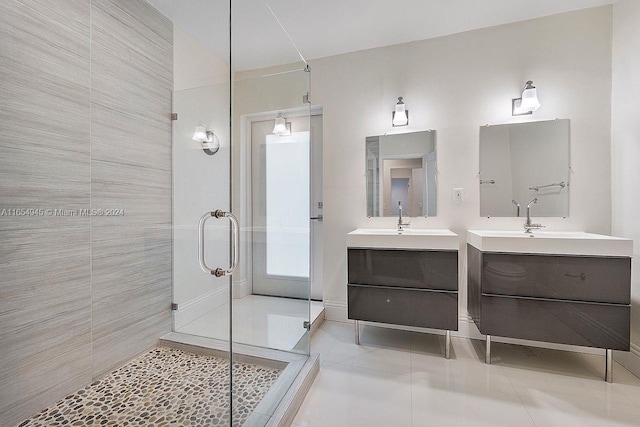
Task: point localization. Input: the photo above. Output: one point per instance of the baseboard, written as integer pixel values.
(629, 359)
(337, 312)
(197, 307)
(241, 288)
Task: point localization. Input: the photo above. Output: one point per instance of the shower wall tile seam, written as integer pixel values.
(91, 320)
(30, 4)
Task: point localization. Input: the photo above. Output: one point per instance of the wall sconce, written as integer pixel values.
(281, 127)
(527, 103)
(400, 117)
(209, 140)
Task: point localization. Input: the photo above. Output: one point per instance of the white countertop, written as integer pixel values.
(550, 242)
(391, 238)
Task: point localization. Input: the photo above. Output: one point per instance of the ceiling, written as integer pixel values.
(322, 28)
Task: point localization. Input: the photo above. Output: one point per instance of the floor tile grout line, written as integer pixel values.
(519, 396)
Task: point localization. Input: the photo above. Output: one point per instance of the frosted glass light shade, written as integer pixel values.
(280, 126)
(400, 115)
(200, 134)
(530, 100)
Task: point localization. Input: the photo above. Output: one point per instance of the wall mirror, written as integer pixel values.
(401, 168)
(522, 161)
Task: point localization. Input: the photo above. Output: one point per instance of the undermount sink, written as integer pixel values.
(550, 242)
(409, 238)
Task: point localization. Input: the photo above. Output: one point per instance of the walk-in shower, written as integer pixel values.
(155, 110)
(231, 231)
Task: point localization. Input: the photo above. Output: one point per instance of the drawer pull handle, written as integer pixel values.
(580, 276)
(388, 300)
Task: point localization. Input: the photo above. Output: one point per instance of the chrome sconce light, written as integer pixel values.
(208, 139)
(281, 127)
(400, 116)
(527, 103)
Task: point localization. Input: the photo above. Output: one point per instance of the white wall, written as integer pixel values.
(455, 84)
(625, 148)
(194, 65)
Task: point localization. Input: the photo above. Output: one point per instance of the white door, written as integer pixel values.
(285, 194)
(399, 194)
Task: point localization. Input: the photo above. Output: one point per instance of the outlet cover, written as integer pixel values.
(458, 195)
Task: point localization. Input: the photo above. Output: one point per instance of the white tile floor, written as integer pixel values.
(261, 321)
(398, 378)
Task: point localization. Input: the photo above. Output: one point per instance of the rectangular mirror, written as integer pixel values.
(522, 161)
(401, 168)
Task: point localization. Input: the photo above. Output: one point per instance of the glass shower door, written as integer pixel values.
(201, 239)
(263, 341)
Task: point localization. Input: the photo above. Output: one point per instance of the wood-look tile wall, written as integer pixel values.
(85, 103)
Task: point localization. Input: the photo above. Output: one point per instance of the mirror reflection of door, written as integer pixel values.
(409, 169)
(414, 153)
(283, 199)
(400, 194)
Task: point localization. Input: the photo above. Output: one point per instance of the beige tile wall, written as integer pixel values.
(85, 100)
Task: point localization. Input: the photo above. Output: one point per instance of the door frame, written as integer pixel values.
(244, 286)
(409, 156)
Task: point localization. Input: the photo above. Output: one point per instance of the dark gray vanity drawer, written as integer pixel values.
(584, 324)
(409, 307)
(404, 268)
(593, 279)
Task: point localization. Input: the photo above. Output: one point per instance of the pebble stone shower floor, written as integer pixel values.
(163, 387)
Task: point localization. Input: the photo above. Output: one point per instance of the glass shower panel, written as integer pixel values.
(201, 184)
(201, 169)
(264, 336)
(271, 289)
(271, 194)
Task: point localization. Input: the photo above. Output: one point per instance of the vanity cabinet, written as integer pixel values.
(565, 299)
(403, 287)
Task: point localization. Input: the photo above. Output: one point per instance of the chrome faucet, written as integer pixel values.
(401, 224)
(517, 207)
(528, 226)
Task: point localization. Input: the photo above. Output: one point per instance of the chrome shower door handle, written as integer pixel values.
(235, 243)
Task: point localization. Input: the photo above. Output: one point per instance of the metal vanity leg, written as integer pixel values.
(357, 333)
(487, 351)
(447, 345)
(608, 373)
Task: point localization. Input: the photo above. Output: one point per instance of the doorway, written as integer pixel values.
(286, 207)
